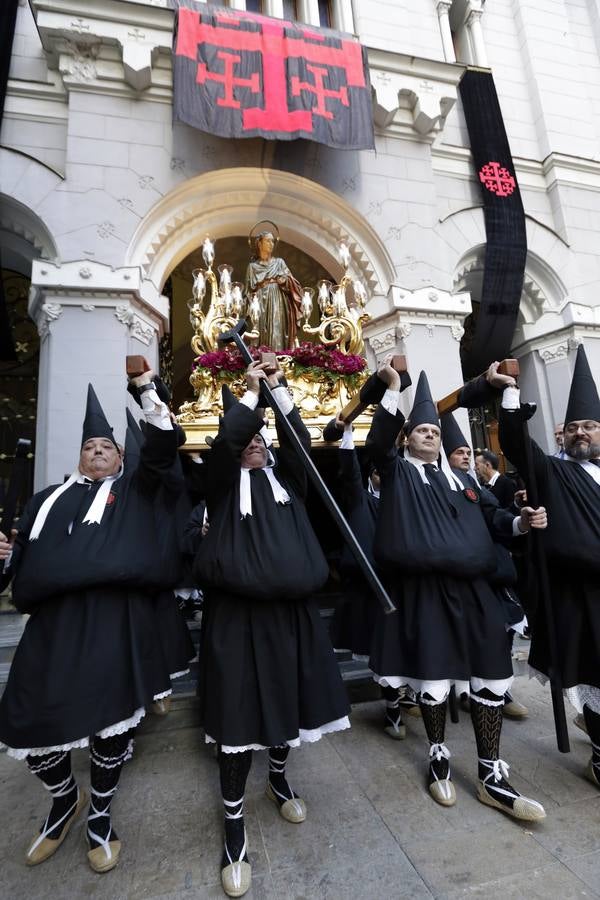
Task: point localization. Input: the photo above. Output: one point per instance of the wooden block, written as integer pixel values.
(509, 367)
(270, 361)
(448, 404)
(136, 365)
(398, 363)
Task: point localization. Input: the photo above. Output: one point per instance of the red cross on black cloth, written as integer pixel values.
(238, 74)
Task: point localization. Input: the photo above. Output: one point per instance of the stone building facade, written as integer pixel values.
(103, 197)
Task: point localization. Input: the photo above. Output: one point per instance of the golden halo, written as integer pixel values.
(274, 230)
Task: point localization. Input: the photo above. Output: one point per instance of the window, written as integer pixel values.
(254, 6)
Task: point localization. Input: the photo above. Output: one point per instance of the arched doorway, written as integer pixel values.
(23, 238)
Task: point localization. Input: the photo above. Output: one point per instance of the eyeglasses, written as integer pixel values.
(586, 427)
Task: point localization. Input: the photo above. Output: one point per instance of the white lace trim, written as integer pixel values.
(578, 695)
(519, 627)
(304, 735)
(117, 728)
(175, 675)
(162, 695)
(439, 690)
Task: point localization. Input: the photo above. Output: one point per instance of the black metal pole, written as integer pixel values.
(369, 573)
(541, 569)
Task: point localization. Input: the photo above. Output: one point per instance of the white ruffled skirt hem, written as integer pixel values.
(579, 695)
(118, 728)
(308, 736)
(439, 690)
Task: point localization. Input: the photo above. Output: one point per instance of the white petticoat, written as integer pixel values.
(118, 728)
(304, 736)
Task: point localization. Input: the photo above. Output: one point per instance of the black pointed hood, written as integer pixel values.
(95, 424)
(424, 410)
(134, 439)
(228, 399)
(452, 436)
(583, 396)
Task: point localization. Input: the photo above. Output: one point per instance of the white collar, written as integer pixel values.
(97, 506)
(280, 495)
(589, 467)
(442, 464)
(493, 479)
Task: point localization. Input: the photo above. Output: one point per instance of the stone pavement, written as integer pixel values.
(372, 831)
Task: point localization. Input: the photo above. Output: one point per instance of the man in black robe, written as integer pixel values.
(504, 578)
(569, 486)
(502, 487)
(434, 541)
(268, 677)
(89, 557)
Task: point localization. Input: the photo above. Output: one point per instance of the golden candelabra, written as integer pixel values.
(342, 314)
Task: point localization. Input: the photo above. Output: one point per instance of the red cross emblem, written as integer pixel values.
(281, 76)
(497, 179)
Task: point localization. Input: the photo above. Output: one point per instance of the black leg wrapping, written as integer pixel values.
(495, 789)
(277, 762)
(434, 720)
(107, 756)
(54, 771)
(234, 769)
(592, 723)
(392, 722)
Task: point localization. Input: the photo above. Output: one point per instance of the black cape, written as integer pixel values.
(268, 675)
(356, 610)
(91, 653)
(572, 544)
(437, 548)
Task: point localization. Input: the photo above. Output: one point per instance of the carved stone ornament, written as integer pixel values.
(457, 332)
(124, 314)
(141, 331)
(384, 341)
(404, 330)
(554, 352)
(50, 312)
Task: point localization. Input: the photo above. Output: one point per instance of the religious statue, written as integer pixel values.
(278, 293)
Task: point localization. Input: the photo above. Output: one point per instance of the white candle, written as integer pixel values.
(208, 251)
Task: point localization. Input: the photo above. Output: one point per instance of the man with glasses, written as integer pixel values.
(569, 487)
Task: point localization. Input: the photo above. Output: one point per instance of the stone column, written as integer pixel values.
(237, 4)
(343, 18)
(308, 12)
(274, 8)
(426, 327)
(476, 38)
(443, 11)
(89, 317)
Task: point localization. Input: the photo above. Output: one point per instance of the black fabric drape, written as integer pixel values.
(506, 248)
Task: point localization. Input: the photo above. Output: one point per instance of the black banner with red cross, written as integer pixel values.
(506, 246)
(238, 74)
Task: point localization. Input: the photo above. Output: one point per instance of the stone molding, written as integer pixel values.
(311, 216)
(90, 286)
(428, 307)
(412, 96)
